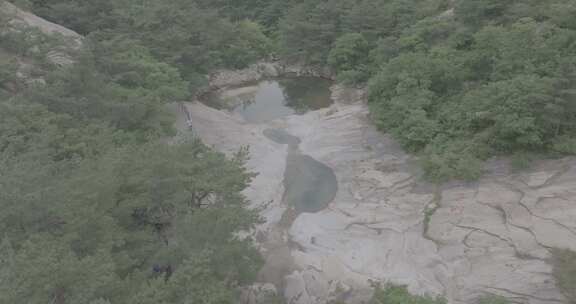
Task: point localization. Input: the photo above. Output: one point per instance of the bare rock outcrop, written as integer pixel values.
(260, 70)
(23, 18)
(19, 19)
(259, 293)
(458, 240)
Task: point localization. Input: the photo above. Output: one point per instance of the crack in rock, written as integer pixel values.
(503, 239)
(523, 295)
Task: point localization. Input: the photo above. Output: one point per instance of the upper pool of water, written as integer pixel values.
(275, 98)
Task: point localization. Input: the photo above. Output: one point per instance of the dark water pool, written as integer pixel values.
(274, 98)
(309, 185)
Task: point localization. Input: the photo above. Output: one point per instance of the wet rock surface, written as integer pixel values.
(488, 237)
(281, 137)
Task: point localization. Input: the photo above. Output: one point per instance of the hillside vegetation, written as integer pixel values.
(454, 81)
(95, 207)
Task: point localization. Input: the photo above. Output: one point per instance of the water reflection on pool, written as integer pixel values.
(272, 99)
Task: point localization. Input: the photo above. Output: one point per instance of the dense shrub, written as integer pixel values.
(392, 294)
(564, 268)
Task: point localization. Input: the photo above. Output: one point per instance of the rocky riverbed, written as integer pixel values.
(459, 240)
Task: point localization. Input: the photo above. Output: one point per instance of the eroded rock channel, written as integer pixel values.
(366, 215)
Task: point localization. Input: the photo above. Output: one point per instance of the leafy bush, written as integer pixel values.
(353, 77)
(564, 269)
(442, 161)
(493, 300)
(478, 11)
(8, 72)
(349, 52)
(391, 294)
(564, 145)
(521, 160)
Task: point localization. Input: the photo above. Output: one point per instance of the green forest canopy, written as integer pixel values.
(97, 209)
(454, 81)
